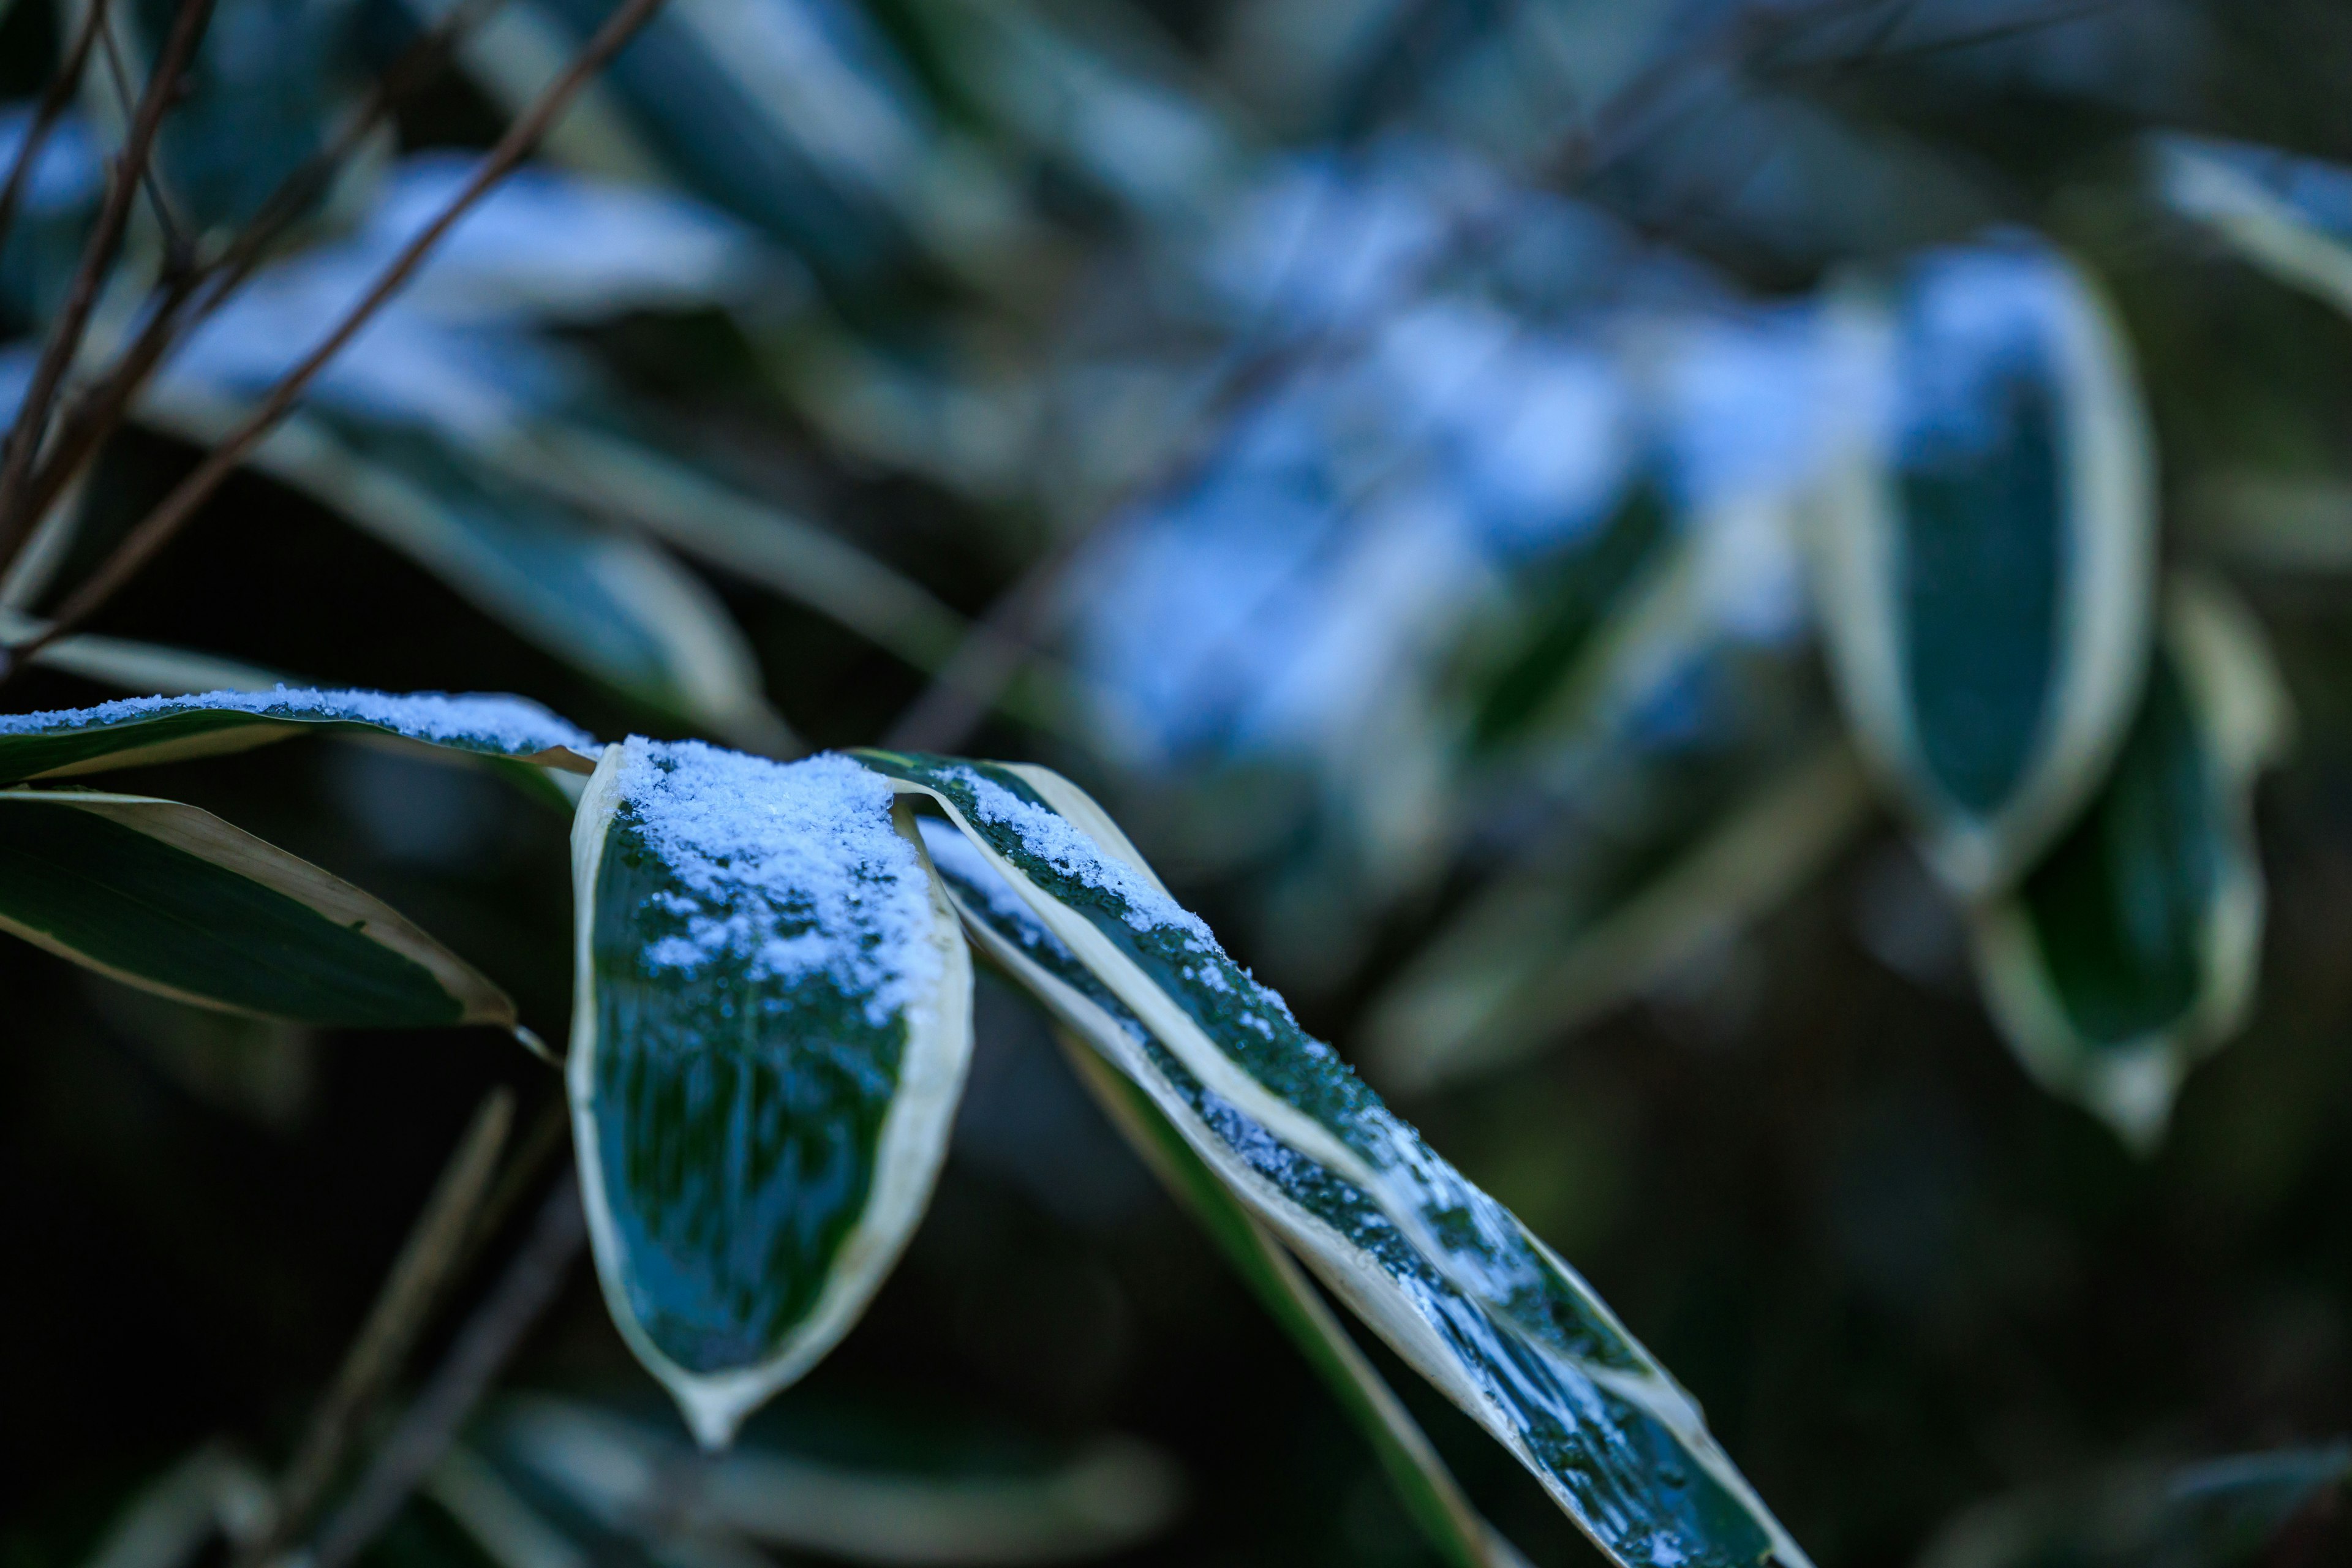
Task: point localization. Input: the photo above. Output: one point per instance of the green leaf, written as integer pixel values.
(2219, 1514)
(1454, 1284)
(1526, 963)
(587, 1467)
(771, 1028)
(2130, 952)
(173, 899)
(607, 601)
(136, 731)
(1421, 1482)
(1985, 585)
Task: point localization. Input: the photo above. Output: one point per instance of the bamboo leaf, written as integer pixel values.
(769, 1032)
(174, 901)
(1445, 1275)
(1422, 1483)
(136, 731)
(1522, 966)
(1985, 572)
(2219, 1514)
(2275, 210)
(2130, 952)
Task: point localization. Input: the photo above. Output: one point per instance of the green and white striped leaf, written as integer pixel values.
(136, 731)
(1445, 1275)
(174, 901)
(2260, 202)
(1420, 1478)
(2217, 1513)
(1985, 571)
(1525, 963)
(770, 1030)
(2130, 952)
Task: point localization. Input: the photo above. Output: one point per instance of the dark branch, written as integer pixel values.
(45, 118)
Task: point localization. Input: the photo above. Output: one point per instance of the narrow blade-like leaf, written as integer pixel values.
(2281, 213)
(1986, 567)
(771, 1027)
(173, 899)
(2130, 950)
(138, 730)
(1454, 1284)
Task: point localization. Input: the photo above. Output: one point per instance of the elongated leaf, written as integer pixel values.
(1445, 1275)
(2217, 1513)
(212, 1493)
(1986, 584)
(2283, 214)
(137, 730)
(1422, 1481)
(174, 901)
(629, 1478)
(2130, 952)
(771, 1028)
(1520, 967)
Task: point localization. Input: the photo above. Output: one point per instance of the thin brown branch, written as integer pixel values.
(482, 1347)
(53, 103)
(100, 410)
(427, 1261)
(175, 239)
(97, 257)
(172, 513)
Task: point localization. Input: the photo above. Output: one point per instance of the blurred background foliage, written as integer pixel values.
(1705, 586)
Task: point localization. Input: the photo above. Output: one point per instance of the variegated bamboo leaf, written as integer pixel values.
(770, 1027)
(1420, 1478)
(138, 730)
(2130, 952)
(1463, 1292)
(174, 901)
(1985, 566)
(2281, 213)
(2217, 1513)
(1523, 964)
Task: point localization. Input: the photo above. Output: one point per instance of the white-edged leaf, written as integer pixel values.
(1454, 1284)
(1523, 964)
(2130, 950)
(2291, 217)
(1986, 567)
(770, 1030)
(173, 899)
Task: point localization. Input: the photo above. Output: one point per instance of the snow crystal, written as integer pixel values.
(961, 860)
(793, 867)
(1050, 836)
(512, 726)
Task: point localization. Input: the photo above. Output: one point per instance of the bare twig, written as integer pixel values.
(97, 257)
(489, 1339)
(175, 239)
(172, 513)
(427, 1263)
(44, 118)
(100, 410)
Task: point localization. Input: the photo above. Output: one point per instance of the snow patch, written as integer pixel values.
(485, 721)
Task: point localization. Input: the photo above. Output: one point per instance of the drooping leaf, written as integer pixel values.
(135, 731)
(770, 1031)
(1986, 565)
(1420, 1478)
(585, 1467)
(2217, 1513)
(173, 899)
(1454, 1284)
(2130, 950)
(1524, 963)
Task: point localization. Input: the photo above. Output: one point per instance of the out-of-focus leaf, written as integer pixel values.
(2130, 950)
(133, 665)
(607, 601)
(2290, 217)
(771, 1027)
(137, 730)
(1986, 565)
(264, 1068)
(633, 1480)
(1520, 967)
(212, 1492)
(1448, 1277)
(1422, 1483)
(2217, 1513)
(173, 899)
(2277, 521)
